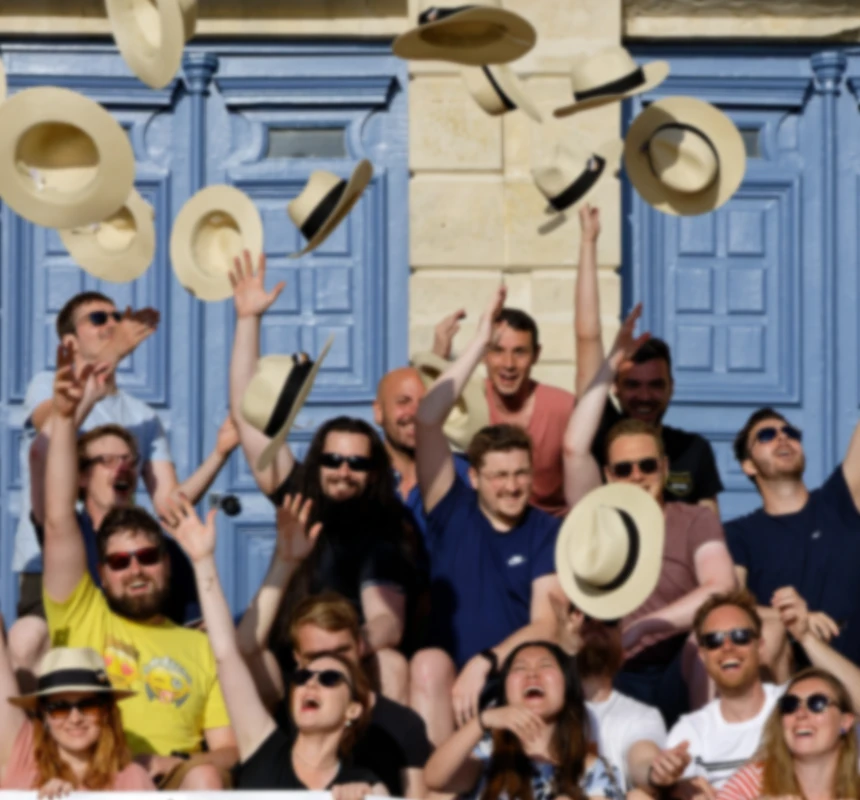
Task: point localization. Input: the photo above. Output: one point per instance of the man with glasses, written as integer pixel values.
(706, 747)
(806, 539)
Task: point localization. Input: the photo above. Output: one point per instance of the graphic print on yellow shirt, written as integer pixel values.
(171, 668)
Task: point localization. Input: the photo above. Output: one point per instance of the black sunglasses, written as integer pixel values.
(355, 463)
(770, 432)
(624, 469)
(739, 636)
(99, 318)
(326, 677)
(146, 557)
(815, 703)
(62, 709)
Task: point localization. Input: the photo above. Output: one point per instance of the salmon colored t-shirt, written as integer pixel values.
(21, 772)
(551, 413)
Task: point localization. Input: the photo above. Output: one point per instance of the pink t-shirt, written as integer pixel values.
(745, 784)
(551, 413)
(21, 772)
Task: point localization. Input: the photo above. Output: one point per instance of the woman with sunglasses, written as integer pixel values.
(68, 734)
(809, 745)
(329, 699)
(533, 745)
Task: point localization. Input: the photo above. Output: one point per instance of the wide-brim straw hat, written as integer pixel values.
(151, 36)
(684, 156)
(213, 229)
(610, 76)
(64, 160)
(70, 669)
(469, 414)
(276, 393)
(476, 34)
(497, 90)
(119, 249)
(324, 203)
(609, 551)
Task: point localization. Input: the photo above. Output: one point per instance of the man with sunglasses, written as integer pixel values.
(807, 539)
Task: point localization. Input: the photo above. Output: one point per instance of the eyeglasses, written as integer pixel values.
(770, 432)
(624, 469)
(60, 710)
(815, 703)
(355, 463)
(146, 557)
(329, 678)
(99, 318)
(739, 636)
(109, 461)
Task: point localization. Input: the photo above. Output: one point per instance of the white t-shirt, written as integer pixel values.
(618, 723)
(720, 748)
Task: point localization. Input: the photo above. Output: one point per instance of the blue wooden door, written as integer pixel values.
(259, 117)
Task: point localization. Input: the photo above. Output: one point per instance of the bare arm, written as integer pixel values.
(412, 779)
(161, 482)
(198, 483)
(221, 743)
(38, 459)
(452, 769)
(384, 609)
(640, 756)
(851, 466)
(589, 341)
(11, 717)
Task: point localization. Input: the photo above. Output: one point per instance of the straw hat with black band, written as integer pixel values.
(684, 156)
(497, 90)
(609, 77)
(476, 34)
(609, 551)
(70, 669)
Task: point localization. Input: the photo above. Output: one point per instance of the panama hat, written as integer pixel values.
(152, 35)
(64, 160)
(497, 90)
(573, 173)
(476, 34)
(470, 412)
(211, 230)
(325, 201)
(608, 77)
(70, 669)
(119, 249)
(684, 156)
(609, 551)
(277, 391)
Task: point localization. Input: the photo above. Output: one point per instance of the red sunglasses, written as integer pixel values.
(146, 557)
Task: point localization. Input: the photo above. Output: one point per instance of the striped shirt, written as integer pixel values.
(745, 784)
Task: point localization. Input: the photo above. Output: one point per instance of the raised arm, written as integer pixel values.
(252, 301)
(589, 341)
(198, 483)
(433, 459)
(11, 717)
(851, 466)
(444, 333)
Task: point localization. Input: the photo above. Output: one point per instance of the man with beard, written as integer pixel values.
(178, 704)
(706, 747)
(806, 539)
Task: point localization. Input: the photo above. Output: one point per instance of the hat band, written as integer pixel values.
(632, 81)
(287, 398)
(646, 145)
(323, 211)
(509, 104)
(581, 185)
(434, 14)
(632, 553)
(73, 677)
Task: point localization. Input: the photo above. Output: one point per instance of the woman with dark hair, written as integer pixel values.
(808, 748)
(533, 745)
(73, 737)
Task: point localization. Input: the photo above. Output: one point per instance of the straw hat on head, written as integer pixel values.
(469, 414)
(64, 160)
(497, 90)
(276, 394)
(70, 669)
(211, 230)
(609, 551)
(684, 156)
(121, 248)
(476, 34)
(324, 203)
(151, 35)
(573, 173)
(608, 77)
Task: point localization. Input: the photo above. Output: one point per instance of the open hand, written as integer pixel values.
(445, 331)
(180, 520)
(55, 788)
(249, 288)
(626, 344)
(524, 724)
(295, 540)
(133, 328)
(487, 323)
(69, 385)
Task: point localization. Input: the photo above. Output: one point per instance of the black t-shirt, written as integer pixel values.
(693, 473)
(271, 767)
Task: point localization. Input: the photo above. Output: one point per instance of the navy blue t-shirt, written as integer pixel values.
(816, 550)
(481, 579)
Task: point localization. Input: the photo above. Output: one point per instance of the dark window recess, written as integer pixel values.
(752, 141)
(307, 143)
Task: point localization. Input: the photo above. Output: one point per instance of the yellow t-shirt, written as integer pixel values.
(171, 668)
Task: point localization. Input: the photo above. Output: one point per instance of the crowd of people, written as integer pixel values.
(414, 633)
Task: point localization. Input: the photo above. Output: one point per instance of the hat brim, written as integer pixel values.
(30, 702)
(508, 37)
(271, 449)
(716, 125)
(358, 182)
(116, 266)
(655, 73)
(511, 85)
(202, 283)
(469, 414)
(649, 520)
(102, 196)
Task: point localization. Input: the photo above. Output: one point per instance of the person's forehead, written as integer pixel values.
(327, 662)
(812, 685)
(529, 655)
(725, 617)
(346, 443)
(403, 383)
(654, 370)
(106, 445)
(506, 459)
(310, 632)
(633, 444)
(128, 540)
(511, 338)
